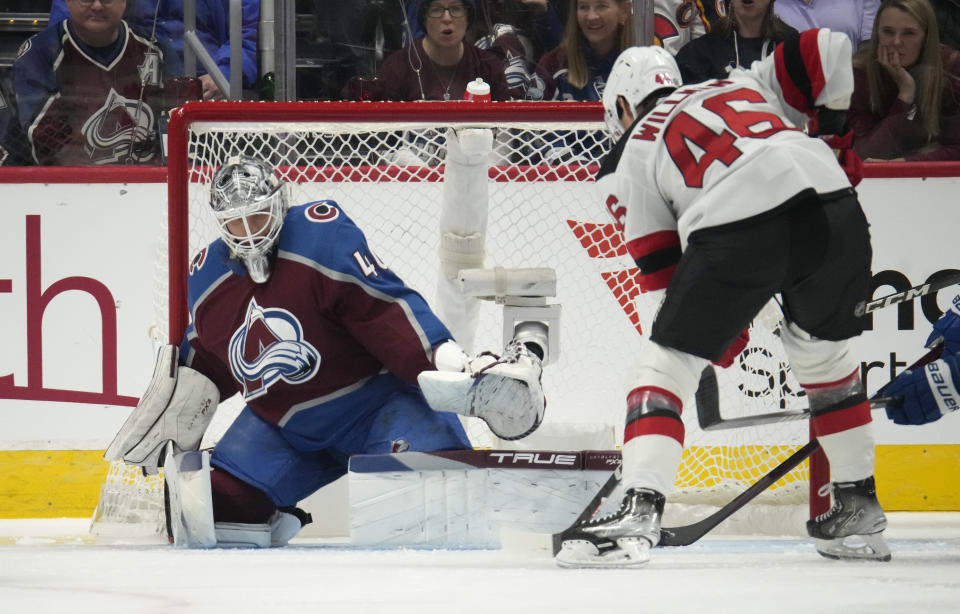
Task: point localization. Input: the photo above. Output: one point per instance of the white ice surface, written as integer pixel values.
(54, 566)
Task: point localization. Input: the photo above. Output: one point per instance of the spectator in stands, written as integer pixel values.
(906, 99)
(547, 20)
(595, 34)
(852, 17)
(86, 91)
(749, 32)
(439, 65)
(163, 19)
(349, 42)
(518, 31)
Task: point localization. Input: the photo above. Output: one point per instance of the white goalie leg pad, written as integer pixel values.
(177, 406)
(504, 392)
(187, 476)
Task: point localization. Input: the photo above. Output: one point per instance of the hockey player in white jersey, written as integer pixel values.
(724, 202)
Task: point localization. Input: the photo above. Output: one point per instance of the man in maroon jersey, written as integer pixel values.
(86, 91)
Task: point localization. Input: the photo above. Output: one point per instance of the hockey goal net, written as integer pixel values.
(385, 164)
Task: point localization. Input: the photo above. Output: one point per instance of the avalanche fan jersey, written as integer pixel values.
(76, 110)
(722, 151)
(319, 336)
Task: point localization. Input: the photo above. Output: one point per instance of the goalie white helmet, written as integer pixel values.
(637, 73)
(249, 201)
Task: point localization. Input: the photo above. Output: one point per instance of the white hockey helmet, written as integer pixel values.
(247, 189)
(637, 73)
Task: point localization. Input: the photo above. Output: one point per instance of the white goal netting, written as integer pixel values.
(385, 164)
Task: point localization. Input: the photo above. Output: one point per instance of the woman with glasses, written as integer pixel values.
(439, 65)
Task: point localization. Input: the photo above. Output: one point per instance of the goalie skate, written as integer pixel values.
(621, 540)
(853, 527)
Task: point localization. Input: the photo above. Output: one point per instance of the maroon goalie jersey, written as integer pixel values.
(80, 106)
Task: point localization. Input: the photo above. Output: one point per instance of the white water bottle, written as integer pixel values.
(478, 90)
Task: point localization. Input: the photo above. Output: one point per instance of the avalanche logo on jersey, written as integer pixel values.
(268, 348)
(118, 130)
(322, 211)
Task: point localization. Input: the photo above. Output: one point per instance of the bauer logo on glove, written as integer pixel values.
(928, 393)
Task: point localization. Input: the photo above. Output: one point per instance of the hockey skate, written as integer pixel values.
(622, 539)
(853, 527)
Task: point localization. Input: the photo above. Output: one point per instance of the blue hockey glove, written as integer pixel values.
(928, 392)
(947, 328)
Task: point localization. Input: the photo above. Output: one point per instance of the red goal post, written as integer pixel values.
(385, 164)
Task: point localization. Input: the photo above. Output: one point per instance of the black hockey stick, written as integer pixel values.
(708, 396)
(708, 400)
(688, 534)
(591, 508)
(708, 408)
(933, 285)
(707, 388)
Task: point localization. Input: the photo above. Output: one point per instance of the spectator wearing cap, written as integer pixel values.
(439, 65)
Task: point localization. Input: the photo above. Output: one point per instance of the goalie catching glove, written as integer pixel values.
(177, 406)
(503, 391)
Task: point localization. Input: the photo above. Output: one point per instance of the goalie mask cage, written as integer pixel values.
(384, 163)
